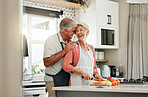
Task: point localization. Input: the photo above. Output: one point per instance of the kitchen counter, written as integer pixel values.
(112, 91)
(120, 88)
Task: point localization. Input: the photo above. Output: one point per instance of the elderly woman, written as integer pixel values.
(80, 61)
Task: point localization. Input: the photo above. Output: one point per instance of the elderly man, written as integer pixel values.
(55, 48)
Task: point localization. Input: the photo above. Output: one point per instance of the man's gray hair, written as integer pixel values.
(68, 24)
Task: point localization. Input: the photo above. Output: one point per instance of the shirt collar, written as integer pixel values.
(60, 37)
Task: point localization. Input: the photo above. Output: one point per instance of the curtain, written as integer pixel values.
(137, 46)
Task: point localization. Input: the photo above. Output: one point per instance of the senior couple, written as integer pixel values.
(69, 62)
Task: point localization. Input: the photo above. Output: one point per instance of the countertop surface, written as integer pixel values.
(120, 88)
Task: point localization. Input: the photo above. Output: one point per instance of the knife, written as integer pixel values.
(90, 79)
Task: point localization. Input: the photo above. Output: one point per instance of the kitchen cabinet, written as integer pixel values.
(107, 18)
(107, 13)
(101, 14)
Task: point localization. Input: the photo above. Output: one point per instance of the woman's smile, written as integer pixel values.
(81, 33)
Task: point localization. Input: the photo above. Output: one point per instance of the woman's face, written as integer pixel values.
(81, 33)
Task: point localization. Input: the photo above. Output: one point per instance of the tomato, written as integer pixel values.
(118, 82)
(114, 83)
(112, 80)
(109, 78)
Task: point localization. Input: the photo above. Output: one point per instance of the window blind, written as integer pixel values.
(43, 12)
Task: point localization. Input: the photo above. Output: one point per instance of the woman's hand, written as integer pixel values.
(98, 77)
(86, 76)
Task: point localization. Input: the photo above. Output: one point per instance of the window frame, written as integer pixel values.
(28, 34)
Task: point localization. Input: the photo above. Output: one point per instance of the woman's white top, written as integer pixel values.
(86, 64)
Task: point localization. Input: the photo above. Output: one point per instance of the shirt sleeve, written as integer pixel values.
(49, 48)
(68, 61)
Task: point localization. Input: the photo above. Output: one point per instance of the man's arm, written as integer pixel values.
(56, 57)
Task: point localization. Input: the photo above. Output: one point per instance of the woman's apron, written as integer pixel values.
(85, 63)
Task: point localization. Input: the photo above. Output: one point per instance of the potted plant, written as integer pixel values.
(84, 3)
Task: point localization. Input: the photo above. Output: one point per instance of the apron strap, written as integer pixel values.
(60, 42)
(62, 45)
(49, 74)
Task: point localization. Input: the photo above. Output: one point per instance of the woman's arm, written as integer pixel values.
(71, 59)
(85, 75)
(68, 61)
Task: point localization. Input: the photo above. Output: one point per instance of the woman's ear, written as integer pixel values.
(87, 32)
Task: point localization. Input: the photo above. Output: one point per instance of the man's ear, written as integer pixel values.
(65, 30)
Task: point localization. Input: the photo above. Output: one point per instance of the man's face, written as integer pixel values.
(71, 33)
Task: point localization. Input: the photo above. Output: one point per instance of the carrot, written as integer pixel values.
(98, 82)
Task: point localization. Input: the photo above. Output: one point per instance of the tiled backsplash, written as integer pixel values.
(67, 12)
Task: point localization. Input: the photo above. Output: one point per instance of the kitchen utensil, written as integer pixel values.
(90, 79)
(125, 81)
(145, 78)
(135, 81)
(138, 81)
(105, 71)
(132, 80)
(101, 55)
(112, 71)
(120, 71)
(96, 55)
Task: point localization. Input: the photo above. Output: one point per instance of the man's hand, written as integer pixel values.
(56, 57)
(69, 46)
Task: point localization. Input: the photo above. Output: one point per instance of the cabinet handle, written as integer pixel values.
(109, 19)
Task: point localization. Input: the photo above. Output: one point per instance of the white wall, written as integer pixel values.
(88, 17)
(120, 56)
(0, 53)
(11, 67)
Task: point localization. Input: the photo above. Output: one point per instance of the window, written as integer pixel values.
(37, 29)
